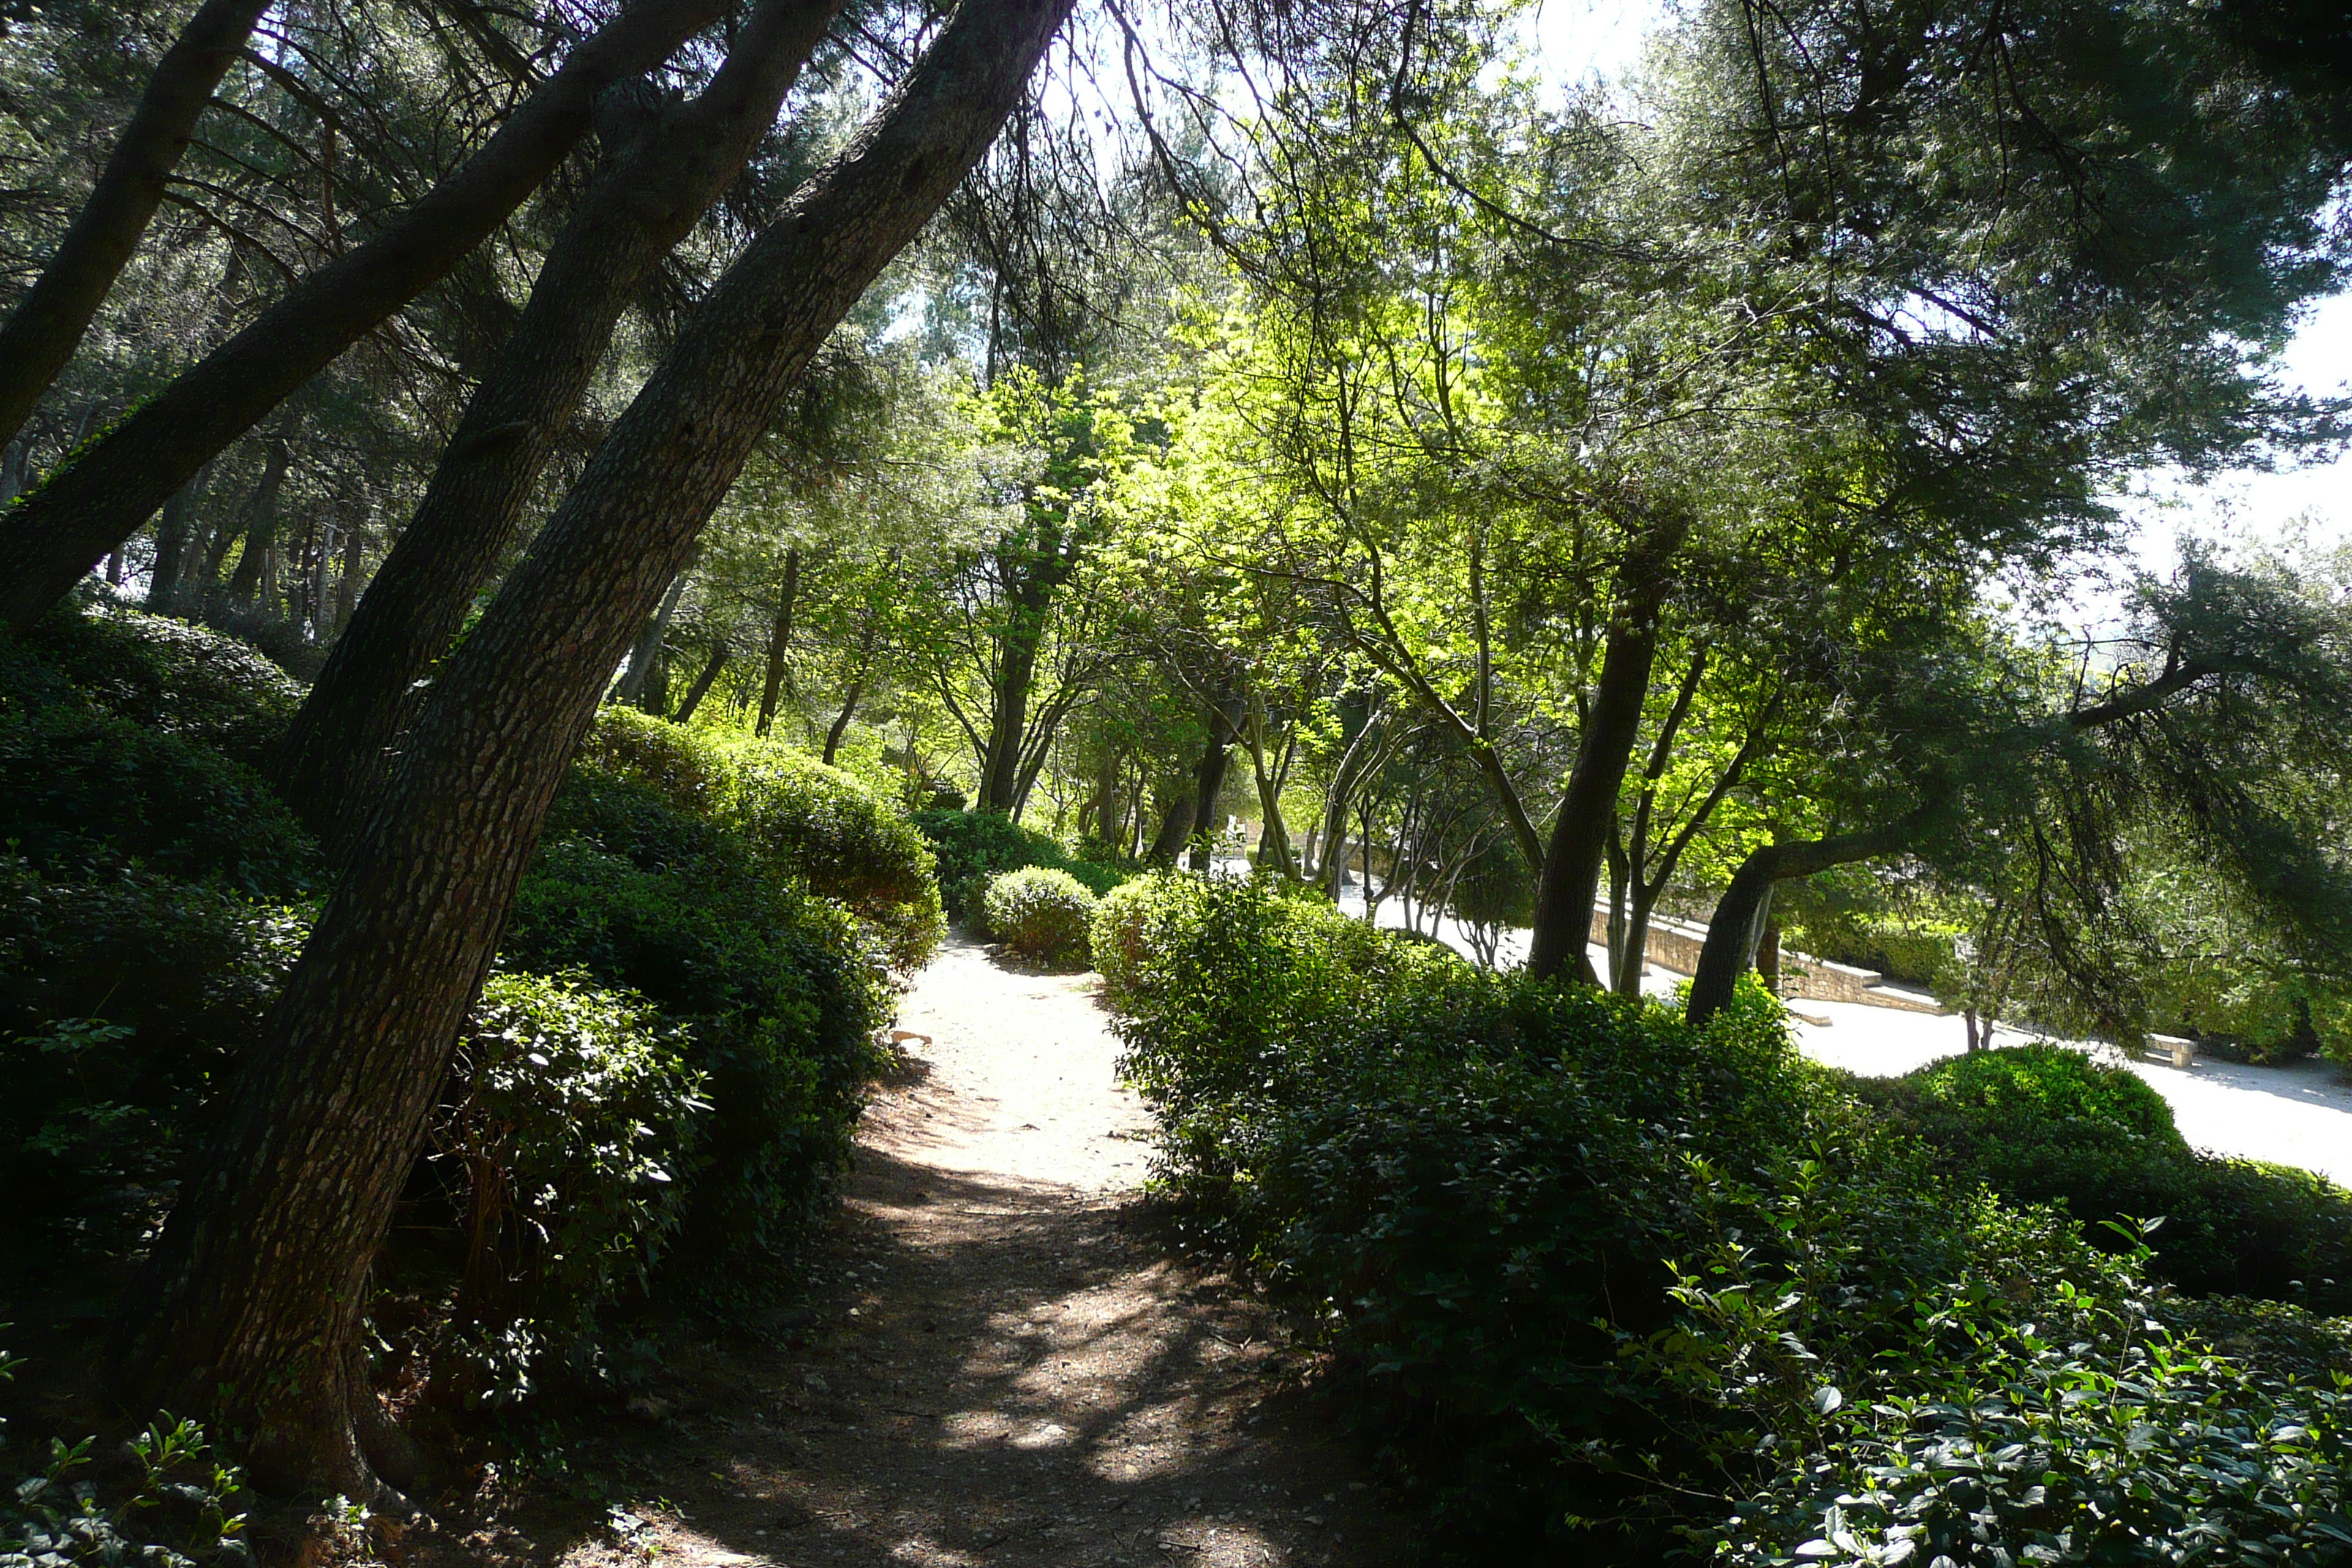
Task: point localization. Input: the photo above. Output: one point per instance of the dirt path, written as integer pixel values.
(995, 1365)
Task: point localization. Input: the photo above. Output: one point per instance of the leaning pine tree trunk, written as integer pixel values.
(249, 1308)
(106, 493)
(49, 322)
(640, 205)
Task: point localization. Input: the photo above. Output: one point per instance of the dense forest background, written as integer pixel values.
(557, 546)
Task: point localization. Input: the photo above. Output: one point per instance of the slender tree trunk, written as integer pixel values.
(248, 1308)
(702, 684)
(1008, 716)
(1209, 780)
(47, 323)
(172, 541)
(347, 581)
(1571, 868)
(647, 649)
(16, 461)
(248, 586)
(780, 642)
(104, 494)
(840, 725)
(644, 199)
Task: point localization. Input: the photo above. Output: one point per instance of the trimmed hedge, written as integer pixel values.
(778, 999)
(975, 847)
(1042, 915)
(1597, 1280)
(2042, 1124)
(794, 816)
(573, 1118)
(169, 678)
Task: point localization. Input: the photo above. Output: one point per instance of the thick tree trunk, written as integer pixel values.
(780, 641)
(98, 500)
(1732, 932)
(701, 688)
(642, 202)
(248, 586)
(49, 322)
(1174, 829)
(248, 1309)
(1579, 834)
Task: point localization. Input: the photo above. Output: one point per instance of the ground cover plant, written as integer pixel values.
(1602, 1280)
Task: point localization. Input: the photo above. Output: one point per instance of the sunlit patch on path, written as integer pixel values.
(999, 1366)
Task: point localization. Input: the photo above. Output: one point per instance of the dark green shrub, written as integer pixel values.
(171, 1508)
(81, 792)
(772, 986)
(2045, 1124)
(169, 678)
(1042, 915)
(574, 1118)
(975, 847)
(1599, 1278)
(123, 1005)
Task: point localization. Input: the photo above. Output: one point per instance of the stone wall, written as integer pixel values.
(1675, 945)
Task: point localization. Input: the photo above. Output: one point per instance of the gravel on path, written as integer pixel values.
(999, 1363)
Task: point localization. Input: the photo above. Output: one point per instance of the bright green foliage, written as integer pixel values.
(1608, 1280)
(975, 847)
(175, 1515)
(570, 1129)
(794, 816)
(774, 987)
(2045, 1124)
(823, 826)
(2095, 1435)
(1041, 914)
(123, 1005)
(172, 678)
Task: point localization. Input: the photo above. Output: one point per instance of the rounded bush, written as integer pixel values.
(976, 846)
(1041, 914)
(168, 677)
(820, 825)
(685, 768)
(2022, 1085)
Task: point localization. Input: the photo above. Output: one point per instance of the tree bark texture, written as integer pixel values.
(638, 207)
(248, 1305)
(47, 323)
(102, 495)
(1579, 834)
